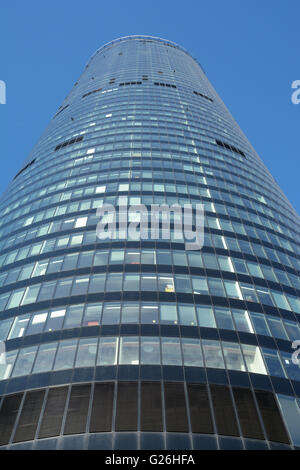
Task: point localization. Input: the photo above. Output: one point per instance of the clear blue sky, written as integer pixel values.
(249, 50)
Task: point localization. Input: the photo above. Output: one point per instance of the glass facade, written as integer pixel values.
(141, 343)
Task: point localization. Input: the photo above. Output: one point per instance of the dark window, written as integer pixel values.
(69, 142)
(25, 168)
(54, 412)
(101, 418)
(91, 92)
(200, 409)
(151, 409)
(29, 416)
(130, 83)
(126, 415)
(61, 110)
(230, 147)
(165, 84)
(8, 414)
(247, 413)
(176, 416)
(274, 426)
(203, 96)
(78, 409)
(223, 409)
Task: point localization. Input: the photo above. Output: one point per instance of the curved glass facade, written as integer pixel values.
(144, 344)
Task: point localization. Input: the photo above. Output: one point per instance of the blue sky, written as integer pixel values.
(249, 50)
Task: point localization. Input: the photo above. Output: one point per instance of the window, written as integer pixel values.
(274, 426)
(176, 416)
(15, 299)
(280, 300)
(200, 285)
(47, 290)
(233, 356)
(126, 413)
(213, 354)
(182, 284)
(242, 321)
(223, 410)
(37, 323)
(247, 413)
(101, 416)
(65, 354)
(223, 318)
(129, 350)
(24, 361)
(130, 313)
(187, 315)
(206, 316)
(273, 362)
(8, 415)
(108, 351)
(151, 407)
(54, 411)
(192, 353)
(29, 417)
(131, 282)
(45, 357)
(4, 328)
(291, 413)
(111, 314)
(73, 317)
(232, 289)
(166, 284)
(253, 359)
(114, 282)
(97, 283)
(19, 326)
(149, 314)
(277, 328)
(150, 350)
(171, 352)
(78, 409)
(168, 314)
(86, 353)
(80, 286)
(148, 283)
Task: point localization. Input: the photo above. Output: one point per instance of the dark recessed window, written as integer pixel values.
(203, 96)
(126, 415)
(169, 85)
(54, 412)
(29, 416)
(69, 142)
(25, 168)
(273, 423)
(176, 416)
(199, 408)
(61, 110)
(8, 414)
(151, 408)
(247, 413)
(230, 147)
(130, 83)
(223, 409)
(101, 418)
(78, 409)
(91, 92)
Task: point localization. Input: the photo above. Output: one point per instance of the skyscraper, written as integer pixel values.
(145, 344)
